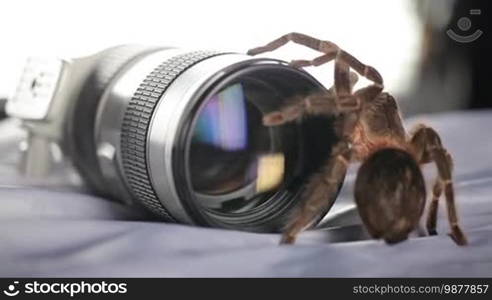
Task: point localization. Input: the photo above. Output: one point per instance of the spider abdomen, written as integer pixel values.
(390, 194)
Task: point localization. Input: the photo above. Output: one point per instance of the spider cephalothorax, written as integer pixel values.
(389, 189)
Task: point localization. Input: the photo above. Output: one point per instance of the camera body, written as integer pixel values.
(47, 95)
(176, 131)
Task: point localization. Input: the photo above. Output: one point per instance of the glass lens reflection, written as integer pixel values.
(231, 151)
(223, 121)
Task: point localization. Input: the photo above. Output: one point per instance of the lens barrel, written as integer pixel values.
(181, 133)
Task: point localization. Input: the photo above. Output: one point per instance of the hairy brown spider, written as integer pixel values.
(389, 190)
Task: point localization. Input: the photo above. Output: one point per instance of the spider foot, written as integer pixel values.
(458, 236)
(287, 239)
(432, 231)
(256, 51)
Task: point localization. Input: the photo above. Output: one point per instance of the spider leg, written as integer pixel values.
(318, 61)
(329, 103)
(353, 78)
(319, 193)
(345, 81)
(428, 147)
(342, 78)
(322, 186)
(432, 216)
(367, 71)
(298, 38)
(331, 51)
(316, 104)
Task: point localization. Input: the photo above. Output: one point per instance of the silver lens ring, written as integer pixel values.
(136, 126)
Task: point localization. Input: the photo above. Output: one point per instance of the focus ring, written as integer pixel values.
(136, 124)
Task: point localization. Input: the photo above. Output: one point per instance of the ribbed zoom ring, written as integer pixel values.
(136, 123)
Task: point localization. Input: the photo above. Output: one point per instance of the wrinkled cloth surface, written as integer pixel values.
(59, 230)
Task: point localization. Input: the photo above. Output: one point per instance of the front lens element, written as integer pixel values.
(234, 159)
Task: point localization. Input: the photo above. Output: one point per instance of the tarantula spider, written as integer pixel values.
(389, 190)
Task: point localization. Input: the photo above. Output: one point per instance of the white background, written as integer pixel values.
(384, 34)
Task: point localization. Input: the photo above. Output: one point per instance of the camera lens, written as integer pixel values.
(181, 133)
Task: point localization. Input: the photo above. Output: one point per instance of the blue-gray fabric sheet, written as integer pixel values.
(59, 230)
